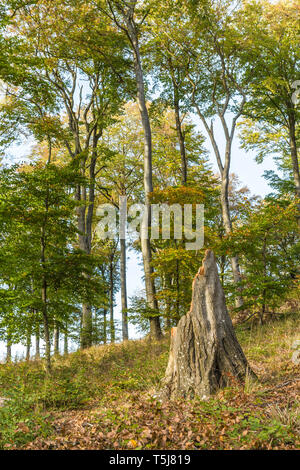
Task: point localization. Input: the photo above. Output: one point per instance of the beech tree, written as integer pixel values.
(129, 18)
(272, 111)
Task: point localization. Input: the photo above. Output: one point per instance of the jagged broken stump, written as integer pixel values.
(205, 354)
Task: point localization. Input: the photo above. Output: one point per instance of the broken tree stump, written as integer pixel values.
(205, 354)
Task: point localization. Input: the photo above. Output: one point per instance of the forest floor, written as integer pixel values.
(104, 398)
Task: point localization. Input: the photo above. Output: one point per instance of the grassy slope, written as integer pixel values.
(104, 398)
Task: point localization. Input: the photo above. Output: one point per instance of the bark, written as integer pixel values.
(167, 285)
(66, 346)
(28, 343)
(86, 326)
(294, 158)
(104, 326)
(180, 135)
(123, 289)
(228, 228)
(45, 286)
(8, 350)
(111, 301)
(205, 355)
(46, 328)
(56, 338)
(37, 342)
(85, 220)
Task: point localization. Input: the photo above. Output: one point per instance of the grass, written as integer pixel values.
(103, 398)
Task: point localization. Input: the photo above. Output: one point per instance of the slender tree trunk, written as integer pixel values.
(8, 349)
(44, 284)
(66, 346)
(222, 269)
(180, 136)
(86, 326)
(104, 326)
(294, 158)
(28, 341)
(264, 292)
(46, 328)
(224, 169)
(85, 219)
(111, 302)
(37, 342)
(155, 329)
(228, 228)
(56, 338)
(123, 289)
(177, 291)
(168, 305)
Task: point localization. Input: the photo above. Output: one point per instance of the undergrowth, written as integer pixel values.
(112, 388)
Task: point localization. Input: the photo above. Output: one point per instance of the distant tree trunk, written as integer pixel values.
(167, 285)
(56, 338)
(86, 328)
(44, 294)
(204, 354)
(123, 289)
(37, 342)
(85, 222)
(180, 134)
(264, 292)
(46, 328)
(86, 312)
(294, 158)
(105, 326)
(228, 228)
(111, 301)
(66, 346)
(8, 350)
(28, 342)
(177, 291)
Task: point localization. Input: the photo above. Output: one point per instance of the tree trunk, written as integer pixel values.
(294, 158)
(37, 342)
(46, 328)
(228, 228)
(28, 342)
(224, 174)
(56, 338)
(44, 292)
(180, 135)
(104, 326)
(205, 355)
(155, 328)
(66, 346)
(85, 220)
(86, 326)
(111, 302)
(8, 350)
(167, 286)
(123, 289)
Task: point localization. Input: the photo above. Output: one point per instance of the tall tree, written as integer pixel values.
(129, 18)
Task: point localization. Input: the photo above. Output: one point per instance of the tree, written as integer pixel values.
(272, 115)
(129, 17)
(268, 245)
(64, 66)
(41, 273)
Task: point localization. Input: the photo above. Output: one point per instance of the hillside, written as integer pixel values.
(104, 398)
